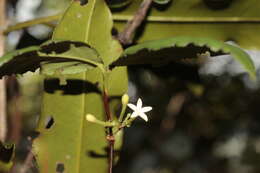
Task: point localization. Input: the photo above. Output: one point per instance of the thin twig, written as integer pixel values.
(22, 25)
(3, 120)
(126, 37)
(111, 140)
(117, 17)
(110, 136)
(28, 162)
(13, 101)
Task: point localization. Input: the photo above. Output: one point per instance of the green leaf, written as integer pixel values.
(6, 156)
(74, 50)
(19, 61)
(82, 58)
(178, 48)
(119, 3)
(63, 68)
(239, 22)
(59, 54)
(72, 141)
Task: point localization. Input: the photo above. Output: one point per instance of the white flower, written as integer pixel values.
(138, 110)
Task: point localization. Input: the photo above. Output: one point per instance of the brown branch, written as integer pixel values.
(28, 162)
(111, 141)
(14, 111)
(126, 37)
(3, 121)
(110, 137)
(106, 105)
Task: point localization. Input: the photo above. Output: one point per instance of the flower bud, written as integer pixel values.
(91, 118)
(125, 99)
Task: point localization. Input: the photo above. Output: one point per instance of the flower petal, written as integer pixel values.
(134, 114)
(146, 109)
(133, 107)
(143, 116)
(139, 103)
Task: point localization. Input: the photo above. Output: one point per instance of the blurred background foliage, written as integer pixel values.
(205, 119)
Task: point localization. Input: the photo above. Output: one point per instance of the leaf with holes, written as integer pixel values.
(178, 48)
(19, 61)
(68, 58)
(62, 120)
(63, 57)
(73, 50)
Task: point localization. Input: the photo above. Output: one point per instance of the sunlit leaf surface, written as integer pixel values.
(67, 141)
(239, 22)
(65, 57)
(179, 48)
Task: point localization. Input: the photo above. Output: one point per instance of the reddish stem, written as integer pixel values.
(106, 105)
(110, 136)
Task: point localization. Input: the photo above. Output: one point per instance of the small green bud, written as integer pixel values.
(125, 99)
(91, 118)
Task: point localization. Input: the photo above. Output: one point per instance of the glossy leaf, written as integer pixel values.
(71, 141)
(52, 56)
(178, 48)
(118, 3)
(63, 68)
(14, 62)
(239, 22)
(75, 50)
(81, 58)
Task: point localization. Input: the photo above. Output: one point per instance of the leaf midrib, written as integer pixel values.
(84, 98)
